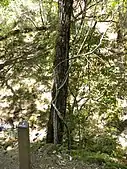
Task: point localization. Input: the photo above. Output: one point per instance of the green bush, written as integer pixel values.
(105, 144)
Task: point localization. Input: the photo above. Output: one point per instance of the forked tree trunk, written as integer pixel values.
(61, 65)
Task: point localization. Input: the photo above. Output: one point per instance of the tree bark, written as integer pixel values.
(61, 65)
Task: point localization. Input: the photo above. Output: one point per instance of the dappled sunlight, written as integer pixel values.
(37, 135)
(123, 139)
(63, 69)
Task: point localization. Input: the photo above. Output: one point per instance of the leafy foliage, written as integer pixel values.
(4, 2)
(97, 104)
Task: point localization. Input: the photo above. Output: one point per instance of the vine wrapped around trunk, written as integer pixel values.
(61, 66)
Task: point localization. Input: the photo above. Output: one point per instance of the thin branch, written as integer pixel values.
(92, 51)
(88, 53)
(9, 87)
(93, 28)
(40, 7)
(29, 18)
(94, 4)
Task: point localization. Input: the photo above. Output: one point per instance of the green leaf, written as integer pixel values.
(4, 2)
(114, 3)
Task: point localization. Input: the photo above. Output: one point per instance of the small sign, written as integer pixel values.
(24, 145)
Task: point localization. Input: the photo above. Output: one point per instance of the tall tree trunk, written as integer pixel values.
(61, 66)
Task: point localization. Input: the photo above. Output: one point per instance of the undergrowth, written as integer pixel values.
(107, 161)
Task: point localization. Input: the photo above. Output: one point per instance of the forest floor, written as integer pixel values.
(48, 157)
(44, 158)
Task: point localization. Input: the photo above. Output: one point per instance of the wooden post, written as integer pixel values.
(24, 145)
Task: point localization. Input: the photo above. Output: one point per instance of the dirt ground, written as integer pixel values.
(43, 158)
